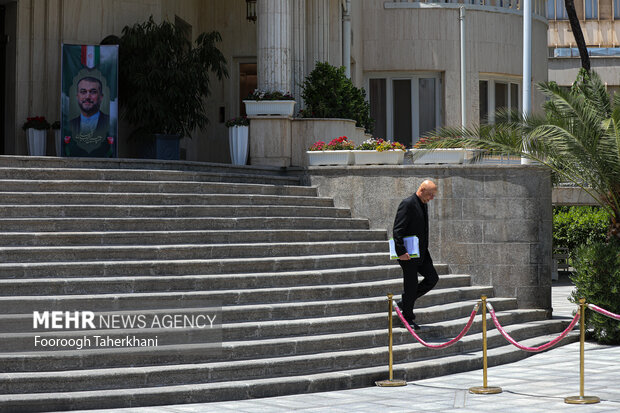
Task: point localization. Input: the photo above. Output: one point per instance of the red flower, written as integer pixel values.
(67, 139)
(111, 140)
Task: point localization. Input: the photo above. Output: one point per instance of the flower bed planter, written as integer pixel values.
(317, 158)
(37, 140)
(378, 158)
(269, 107)
(447, 155)
(238, 142)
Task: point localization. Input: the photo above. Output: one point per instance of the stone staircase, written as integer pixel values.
(299, 288)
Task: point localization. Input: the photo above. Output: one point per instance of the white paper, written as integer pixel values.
(411, 245)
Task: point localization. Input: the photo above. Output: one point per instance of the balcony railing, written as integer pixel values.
(538, 6)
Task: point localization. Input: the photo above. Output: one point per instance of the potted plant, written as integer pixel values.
(57, 141)
(238, 129)
(328, 93)
(420, 155)
(337, 152)
(36, 133)
(269, 103)
(379, 151)
(164, 80)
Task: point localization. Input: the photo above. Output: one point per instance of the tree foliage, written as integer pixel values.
(578, 137)
(164, 78)
(328, 93)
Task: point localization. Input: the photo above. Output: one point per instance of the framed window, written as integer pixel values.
(495, 94)
(591, 9)
(551, 9)
(616, 9)
(406, 106)
(556, 10)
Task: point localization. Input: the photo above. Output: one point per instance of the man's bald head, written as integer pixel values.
(427, 191)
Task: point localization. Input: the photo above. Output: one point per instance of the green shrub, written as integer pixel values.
(579, 225)
(328, 93)
(597, 279)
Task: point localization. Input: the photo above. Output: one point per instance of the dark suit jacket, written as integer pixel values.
(103, 125)
(103, 129)
(411, 220)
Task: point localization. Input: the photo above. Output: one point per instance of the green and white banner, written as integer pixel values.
(89, 101)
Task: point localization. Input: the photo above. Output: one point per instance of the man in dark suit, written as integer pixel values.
(90, 132)
(412, 219)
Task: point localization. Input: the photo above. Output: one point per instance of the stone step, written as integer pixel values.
(187, 267)
(142, 175)
(130, 198)
(153, 187)
(57, 359)
(32, 162)
(186, 299)
(265, 312)
(269, 387)
(185, 237)
(151, 376)
(146, 283)
(185, 211)
(243, 330)
(186, 252)
(336, 306)
(178, 223)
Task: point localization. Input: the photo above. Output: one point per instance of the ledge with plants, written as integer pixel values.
(378, 151)
(421, 154)
(269, 103)
(337, 152)
(238, 139)
(36, 135)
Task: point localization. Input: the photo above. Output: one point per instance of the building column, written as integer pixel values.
(299, 50)
(318, 32)
(274, 45)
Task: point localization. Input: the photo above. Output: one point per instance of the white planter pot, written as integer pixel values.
(447, 155)
(238, 142)
(317, 158)
(37, 140)
(269, 107)
(57, 142)
(394, 157)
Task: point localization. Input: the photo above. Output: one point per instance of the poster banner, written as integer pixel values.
(89, 102)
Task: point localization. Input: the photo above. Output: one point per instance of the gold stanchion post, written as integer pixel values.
(391, 382)
(484, 389)
(581, 399)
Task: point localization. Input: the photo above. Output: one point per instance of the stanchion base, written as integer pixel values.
(485, 390)
(391, 383)
(582, 400)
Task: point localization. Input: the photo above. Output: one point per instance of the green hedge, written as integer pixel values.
(579, 225)
(597, 279)
(328, 93)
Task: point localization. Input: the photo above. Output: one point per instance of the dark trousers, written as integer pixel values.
(413, 290)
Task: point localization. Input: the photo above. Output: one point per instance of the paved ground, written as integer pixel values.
(535, 385)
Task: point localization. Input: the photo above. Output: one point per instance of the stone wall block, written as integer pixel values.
(505, 253)
(510, 230)
(461, 231)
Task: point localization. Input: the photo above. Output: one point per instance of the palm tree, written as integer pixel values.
(577, 33)
(577, 137)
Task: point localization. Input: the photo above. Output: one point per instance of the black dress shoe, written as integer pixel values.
(410, 316)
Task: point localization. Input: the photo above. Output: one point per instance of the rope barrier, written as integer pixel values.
(531, 349)
(444, 345)
(603, 311)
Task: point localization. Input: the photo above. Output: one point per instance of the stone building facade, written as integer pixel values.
(406, 54)
(600, 23)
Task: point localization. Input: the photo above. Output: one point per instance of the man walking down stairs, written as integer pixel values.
(285, 292)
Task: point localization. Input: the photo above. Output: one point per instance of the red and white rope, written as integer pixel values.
(604, 312)
(444, 345)
(531, 349)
